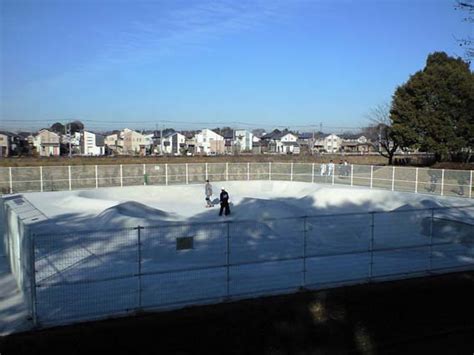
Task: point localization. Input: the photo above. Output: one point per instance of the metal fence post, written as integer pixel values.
(207, 178)
(416, 180)
(11, 179)
(41, 178)
(34, 314)
(312, 173)
(96, 177)
(431, 238)
(187, 174)
(248, 171)
(270, 171)
(121, 175)
(442, 182)
(393, 178)
(139, 265)
(228, 262)
(352, 174)
(304, 249)
(371, 245)
(371, 176)
(291, 171)
(166, 174)
(69, 177)
(470, 185)
(226, 171)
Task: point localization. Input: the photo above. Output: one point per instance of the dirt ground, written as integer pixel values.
(78, 160)
(427, 315)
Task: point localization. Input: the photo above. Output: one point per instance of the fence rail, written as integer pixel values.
(405, 179)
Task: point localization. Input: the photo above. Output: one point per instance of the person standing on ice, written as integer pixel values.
(323, 169)
(224, 197)
(330, 168)
(208, 192)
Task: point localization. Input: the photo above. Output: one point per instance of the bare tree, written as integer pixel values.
(380, 132)
(467, 42)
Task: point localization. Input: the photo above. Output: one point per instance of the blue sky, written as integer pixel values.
(260, 63)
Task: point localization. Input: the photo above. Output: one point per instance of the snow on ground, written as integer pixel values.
(82, 275)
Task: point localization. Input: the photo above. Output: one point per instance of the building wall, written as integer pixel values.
(244, 140)
(133, 142)
(46, 143)
(208, 141)
(89, 146)
(332, 143)
(4, 145)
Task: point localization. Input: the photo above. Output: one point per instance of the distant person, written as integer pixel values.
(461, 181)
(330, 168)
(224, 198)
(208, 192)
(433, 181)
(346, 168)
(323, 169)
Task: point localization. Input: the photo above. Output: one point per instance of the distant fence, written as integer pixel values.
(83, 275)
(441, 182)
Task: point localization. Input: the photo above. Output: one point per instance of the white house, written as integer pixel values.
(173, 142)
(332, 143)
(243, 140)
(288, 143)
(133, 142)
(46, 143)
(92, 144)
(209, 142)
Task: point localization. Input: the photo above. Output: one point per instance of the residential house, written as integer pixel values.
(174, 143)
(46, 143)
(209, 142)
(243, 140)
(133, 142)
(330, 143)
(356, 144)
(114, 143)
(281, 142)
(92, 144)
(10, 144)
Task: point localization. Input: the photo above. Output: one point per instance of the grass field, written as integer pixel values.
(429, 315)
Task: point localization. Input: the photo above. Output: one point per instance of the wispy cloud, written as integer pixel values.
(189, 28)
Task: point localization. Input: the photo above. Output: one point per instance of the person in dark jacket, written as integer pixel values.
(224, 197)
(208, 193)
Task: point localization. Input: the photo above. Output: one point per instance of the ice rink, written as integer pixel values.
(93, 261)
(250, 200)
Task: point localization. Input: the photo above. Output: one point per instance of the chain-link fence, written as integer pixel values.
(83, 275)
(441, 182)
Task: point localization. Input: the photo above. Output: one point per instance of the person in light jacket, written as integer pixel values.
(208, 193)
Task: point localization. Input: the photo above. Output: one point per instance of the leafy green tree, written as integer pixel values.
(434, 109)
(58, 128)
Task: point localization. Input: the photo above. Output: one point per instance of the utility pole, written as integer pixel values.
(70, 138)
(161, 140)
